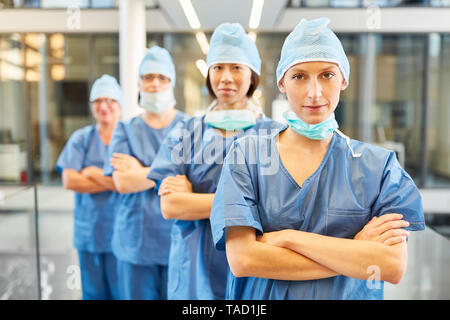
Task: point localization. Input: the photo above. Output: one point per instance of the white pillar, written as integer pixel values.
(132, 42)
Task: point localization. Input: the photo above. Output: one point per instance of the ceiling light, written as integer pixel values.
(202, 41)
(190, 14)
(201, 65)
(255, 15)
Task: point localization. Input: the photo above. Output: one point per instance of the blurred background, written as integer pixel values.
(52, 51)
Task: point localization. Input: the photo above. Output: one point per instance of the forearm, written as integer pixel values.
(106, 182)
(187, 206)
(73, 180)
(350, 257)
(132, 180)
(262, 260)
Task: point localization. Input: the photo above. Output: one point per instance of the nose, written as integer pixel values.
(103, 107)
(314, 89)
(226, 76)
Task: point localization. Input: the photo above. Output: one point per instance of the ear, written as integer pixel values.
(281, 85)
(344, 84)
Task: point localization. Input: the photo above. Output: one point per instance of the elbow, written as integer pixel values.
(119, 183)
(395, 270)
(395, 274)
(167, 207)
(239, 264)
(68, 182)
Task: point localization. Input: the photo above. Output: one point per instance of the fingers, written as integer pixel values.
(393, 233)
(385, 218)
(396, 224)
(395, 240)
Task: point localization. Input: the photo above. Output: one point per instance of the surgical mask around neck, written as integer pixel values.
(230, 120)
(318, 131)
(157, 102)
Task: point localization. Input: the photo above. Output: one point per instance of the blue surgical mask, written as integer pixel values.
(234, 119)
(318, 131)
(157, 102)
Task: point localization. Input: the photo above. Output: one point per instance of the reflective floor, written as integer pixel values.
(427, 276)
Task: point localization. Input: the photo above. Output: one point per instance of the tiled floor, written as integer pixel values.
(427, 276)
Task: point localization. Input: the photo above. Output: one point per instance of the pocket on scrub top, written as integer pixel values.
(346, 223)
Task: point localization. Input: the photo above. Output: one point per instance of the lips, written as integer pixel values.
(315, 107)
(226, 90)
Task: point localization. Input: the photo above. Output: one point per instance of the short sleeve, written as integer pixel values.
(399, 194)
(119, 144)
(235, 200)
(172, 155)
(73, 153)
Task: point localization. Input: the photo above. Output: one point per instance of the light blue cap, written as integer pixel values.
(312, 41)
(106, 87)
(158, 60)
(230, 44)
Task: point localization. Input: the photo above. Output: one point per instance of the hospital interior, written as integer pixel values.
(53, 51)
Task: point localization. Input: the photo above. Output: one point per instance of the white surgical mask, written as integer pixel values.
(157, 102)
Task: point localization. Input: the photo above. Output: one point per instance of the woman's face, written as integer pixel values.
(154, 82)
(105, 110)
(313, 89)
(230, 82)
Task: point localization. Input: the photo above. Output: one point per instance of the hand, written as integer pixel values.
(179, 183)
(123, 162)
(91, 171)
(386, 229)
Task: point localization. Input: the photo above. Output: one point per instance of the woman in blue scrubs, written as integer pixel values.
(81, 164)
(331, 222)
(141, 240)
(188, 165)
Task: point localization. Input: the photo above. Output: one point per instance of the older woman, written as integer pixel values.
(334, 213)
(81, 164)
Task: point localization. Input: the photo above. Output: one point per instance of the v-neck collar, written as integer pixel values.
(286, 172)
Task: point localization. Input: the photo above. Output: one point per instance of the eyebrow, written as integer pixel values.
(305, 71)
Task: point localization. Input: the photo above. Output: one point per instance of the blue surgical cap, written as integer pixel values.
(312, 41)
(106, 87)
(230, 44)
(158, 60)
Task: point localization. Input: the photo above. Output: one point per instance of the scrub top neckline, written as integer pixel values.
(97, 132)
(160, 129)
(287, 173)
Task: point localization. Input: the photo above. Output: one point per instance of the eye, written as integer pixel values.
(328, 75)
(217, 67)
(237, 67)
(299, 76)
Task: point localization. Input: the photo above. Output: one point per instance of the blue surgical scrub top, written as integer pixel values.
(94, 212)
(141, 235)
(337, 200)
(195, 149)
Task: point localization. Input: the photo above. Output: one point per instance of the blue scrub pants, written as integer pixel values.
(142, 282)
(98, 276)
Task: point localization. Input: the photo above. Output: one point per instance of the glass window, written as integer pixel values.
(399, 104)
(438, 129)
(13, 122)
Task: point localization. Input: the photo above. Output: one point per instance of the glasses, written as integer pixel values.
(108, 101)
(148, 78)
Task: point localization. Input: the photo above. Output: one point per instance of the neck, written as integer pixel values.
(222, 105)
(159, 120)
(292, 138)
(106, 130)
